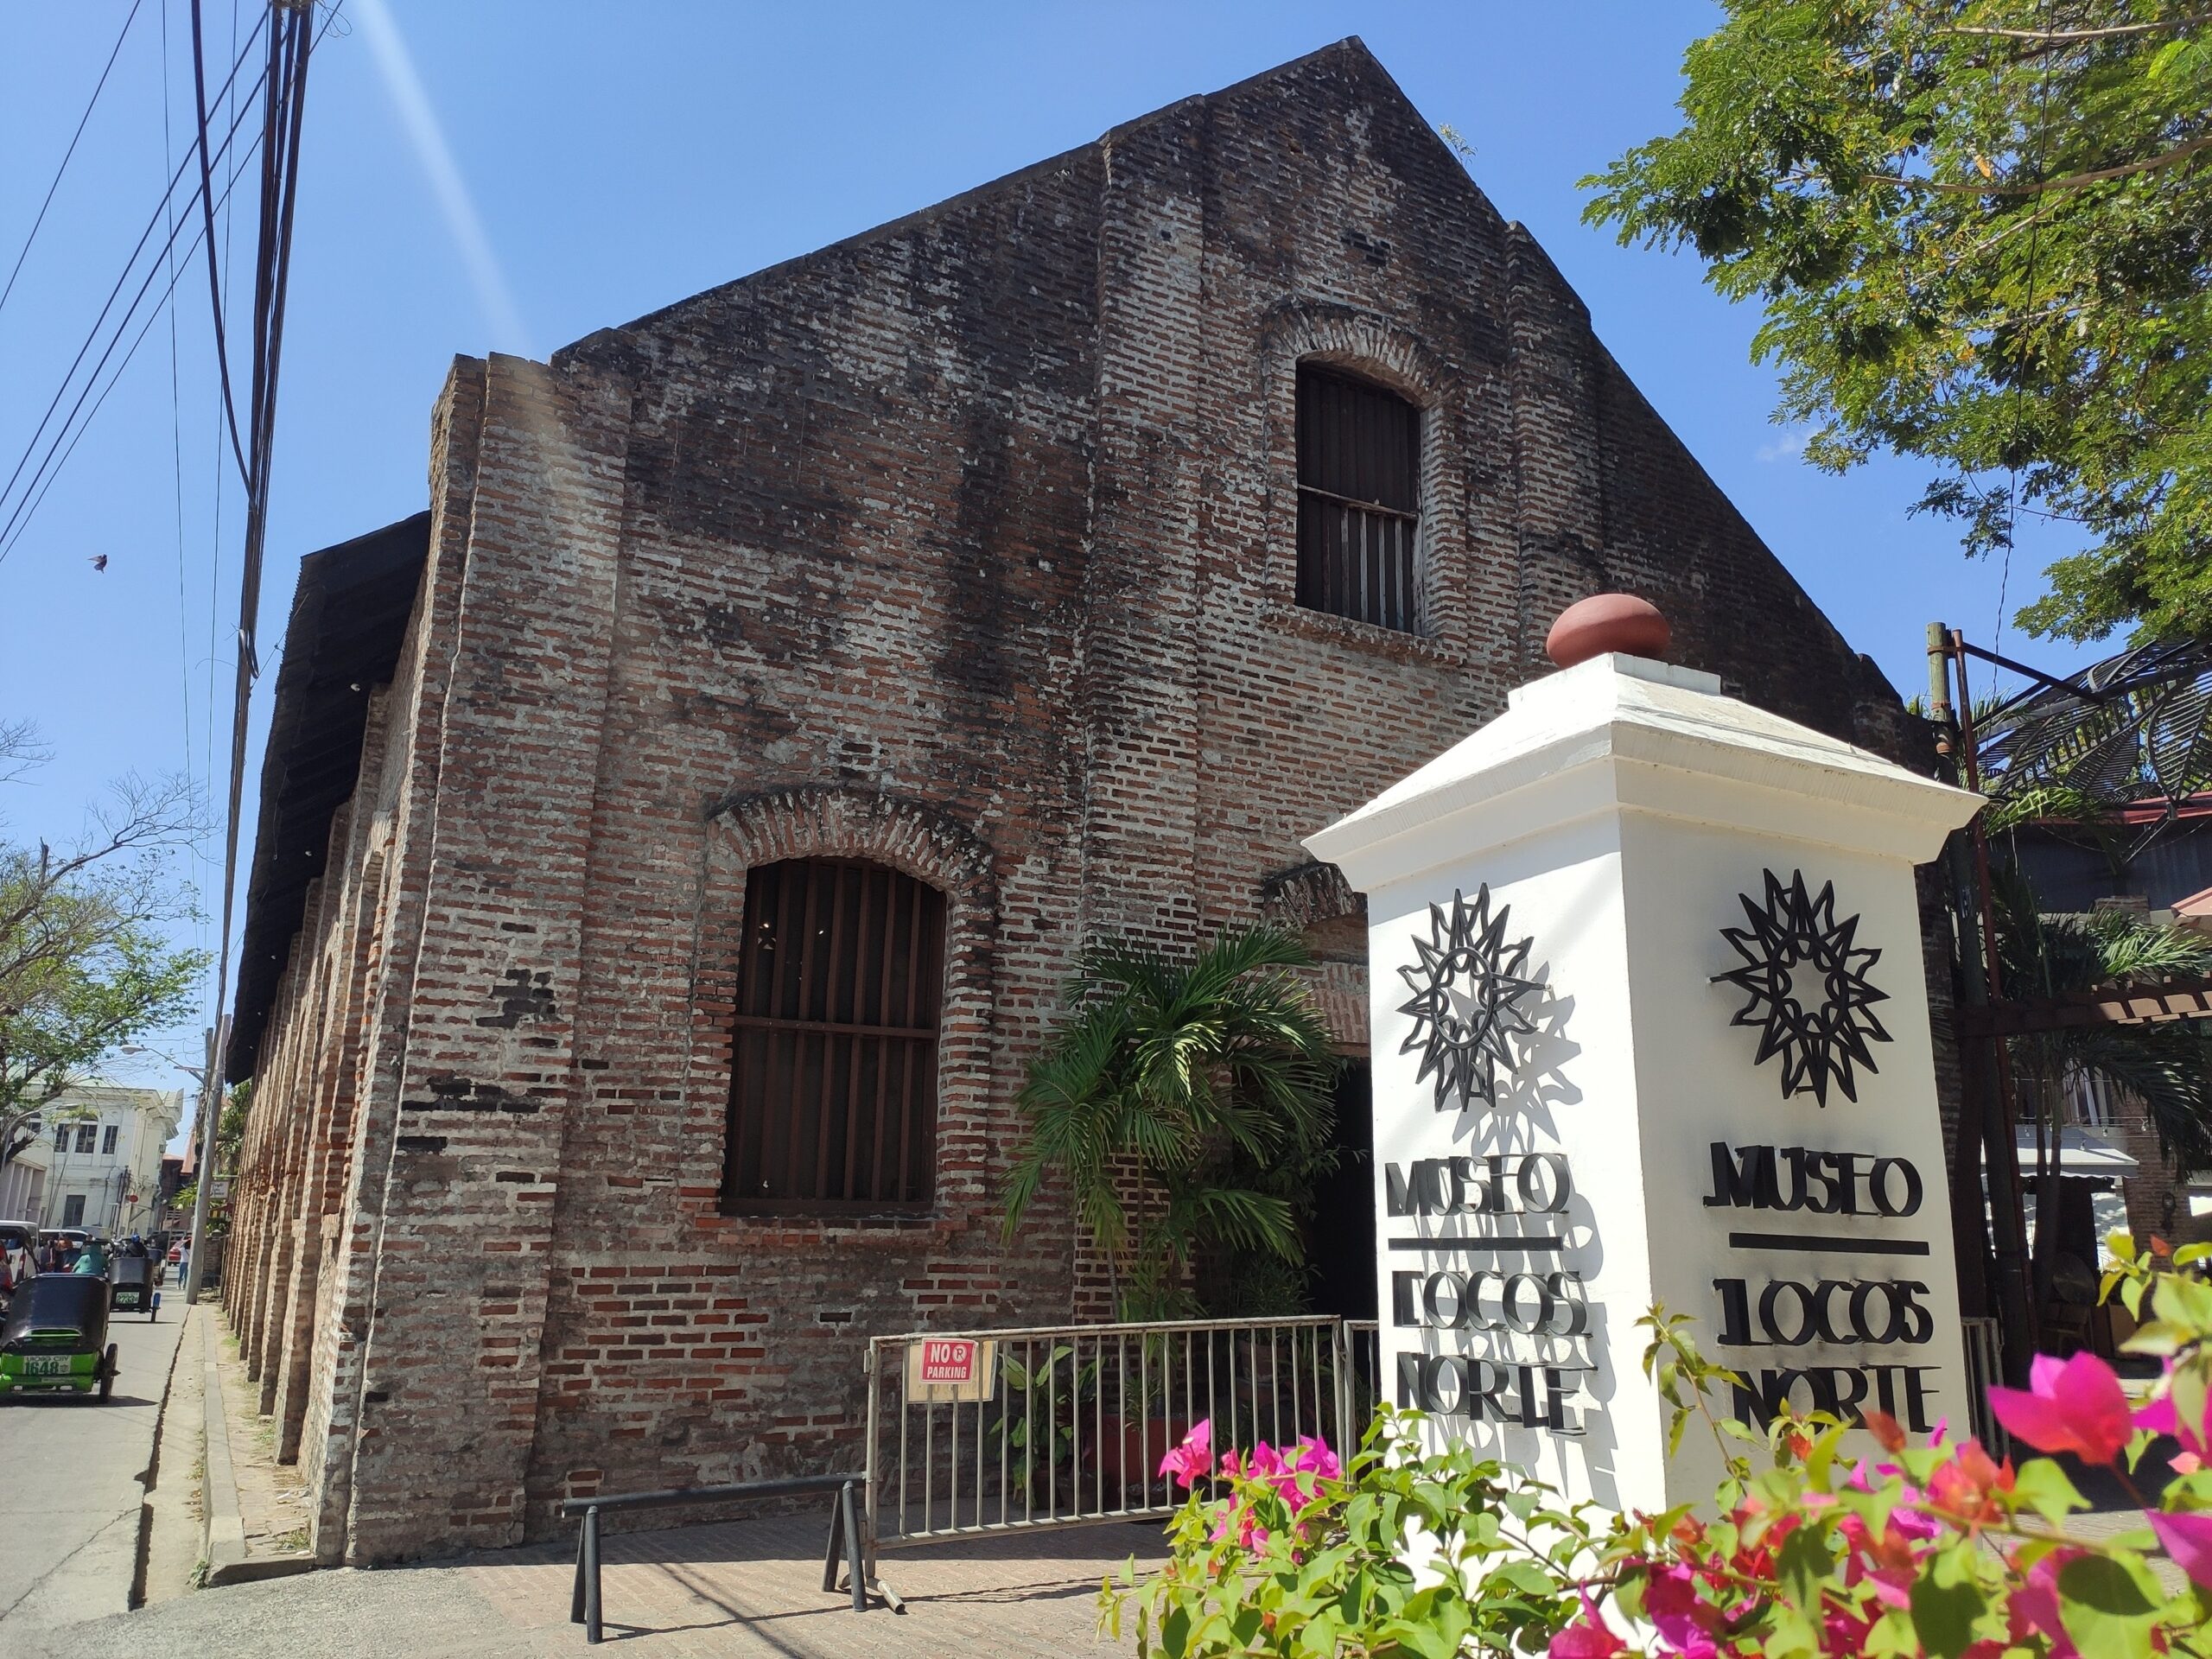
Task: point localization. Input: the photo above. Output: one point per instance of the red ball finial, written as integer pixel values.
(1604, 622)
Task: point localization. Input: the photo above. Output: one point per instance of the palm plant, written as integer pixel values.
(1170, 1081)
(2168, 1066)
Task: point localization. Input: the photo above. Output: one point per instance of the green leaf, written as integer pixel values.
(1944, 1614)
(2042, 1485)
(1803, 1562)
(2105, 1610)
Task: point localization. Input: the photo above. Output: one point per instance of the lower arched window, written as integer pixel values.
(833, 1084)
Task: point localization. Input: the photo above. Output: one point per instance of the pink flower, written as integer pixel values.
(1192, 1461)
(1588, 1637)
(2034, 1605)
(1315, 1457)
(1250, 1534)
(1670, 1602)
(2188, 1538)
(2075, 1406)
(2162, 1417)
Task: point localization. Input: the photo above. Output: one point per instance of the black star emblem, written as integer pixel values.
(1468, 988)
(1807, 984)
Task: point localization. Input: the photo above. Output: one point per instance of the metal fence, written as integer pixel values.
(1985, 1351)
(990, 1431)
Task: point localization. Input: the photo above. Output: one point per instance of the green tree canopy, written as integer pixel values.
(84, 968)
(1981, 231)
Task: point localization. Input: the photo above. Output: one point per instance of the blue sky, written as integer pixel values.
(513, 174)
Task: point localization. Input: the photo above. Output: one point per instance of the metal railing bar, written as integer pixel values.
(675, 1496)
(1127, 1328)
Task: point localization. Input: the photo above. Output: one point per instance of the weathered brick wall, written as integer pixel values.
(967, 546)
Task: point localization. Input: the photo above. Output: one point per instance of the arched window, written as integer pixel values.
(1358, 499)
(833, 1084)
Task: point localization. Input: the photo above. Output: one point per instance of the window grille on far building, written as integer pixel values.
(108, 1138)
(833, 1080)
(1358, 500)
(86, 1133)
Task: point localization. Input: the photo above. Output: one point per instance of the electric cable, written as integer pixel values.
(24, 252)
(44, 480)
(50, 465)
(93, 335)
(208, 210)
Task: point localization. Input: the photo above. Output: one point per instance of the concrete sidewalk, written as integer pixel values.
(745, 1588)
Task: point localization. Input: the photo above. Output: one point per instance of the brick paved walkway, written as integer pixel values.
(754, 1588)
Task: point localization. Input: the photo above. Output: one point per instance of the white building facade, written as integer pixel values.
(103, 1144)
(22, 1181)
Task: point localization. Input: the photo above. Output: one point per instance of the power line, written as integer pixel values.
(73, 429)
(89, 104)
(92, 337)
(208, 210)
(50, 465)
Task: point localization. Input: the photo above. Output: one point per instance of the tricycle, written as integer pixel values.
(130, 1286)
(55, 1338)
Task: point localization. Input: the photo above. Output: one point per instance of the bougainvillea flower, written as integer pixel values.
(1966, 1484)
(1315, 1457)
(2161, 1417)
(1671, 1603)
(2034, 1607)
(1588, 1637)
(2188, 1538)
(1250, 1534)
(2072, 1406)
(1192, 1461)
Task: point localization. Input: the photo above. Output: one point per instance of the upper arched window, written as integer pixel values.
(1358, 499)
(833, 1083)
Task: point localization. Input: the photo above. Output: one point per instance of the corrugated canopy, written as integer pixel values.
(349, 616)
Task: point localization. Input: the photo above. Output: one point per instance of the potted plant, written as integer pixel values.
(1170, 1089)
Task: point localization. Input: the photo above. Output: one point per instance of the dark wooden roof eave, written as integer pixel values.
(349, 619)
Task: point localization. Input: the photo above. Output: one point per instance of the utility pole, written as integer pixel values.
(1985, 1149)
(210, 1095)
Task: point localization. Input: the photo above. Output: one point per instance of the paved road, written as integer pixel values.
(70, 1486)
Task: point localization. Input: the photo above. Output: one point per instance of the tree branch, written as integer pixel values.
(2072, 36)
(2071, 182)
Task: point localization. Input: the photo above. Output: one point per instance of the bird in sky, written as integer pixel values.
(98, 561)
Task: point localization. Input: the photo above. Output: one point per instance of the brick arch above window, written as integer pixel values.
(830, 822)
(1366, 346)
(827, 821)
(1359, 342)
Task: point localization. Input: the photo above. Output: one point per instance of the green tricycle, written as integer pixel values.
(55, 1339)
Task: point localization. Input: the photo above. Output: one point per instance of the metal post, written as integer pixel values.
(1340, 1339)
(829, 1550)
(591, 1574)
(576, 1590)
(855, 1561)
(210, 1096)
(2021, 1322)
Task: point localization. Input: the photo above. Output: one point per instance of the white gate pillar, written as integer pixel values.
(1650, 1026)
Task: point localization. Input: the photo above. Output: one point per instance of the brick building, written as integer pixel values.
(1042, 565)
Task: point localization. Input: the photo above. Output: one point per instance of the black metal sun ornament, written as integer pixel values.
(1469, 986)
(1806, 980)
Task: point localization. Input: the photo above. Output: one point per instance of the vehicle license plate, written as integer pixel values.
(53, 1365)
